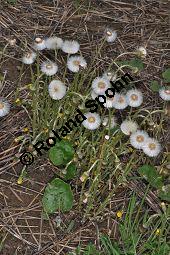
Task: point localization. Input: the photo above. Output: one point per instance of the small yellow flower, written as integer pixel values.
(20, 180)
(18, 101)
(119, 214)
(157, 232)
(45, 130)
(25, 130)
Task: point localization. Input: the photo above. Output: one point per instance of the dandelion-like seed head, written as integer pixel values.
(128, 127)
(70, 47)
(49, 68)
(92, 121)
(100, 85)
(57, 89)
(29, 57)
(138, 139)
(134, 97)
(75, 63)
(164, 93)
(120, 101)
(39, 44)
(54, 43)
(111, 35)
(4, 107)
(151, 147)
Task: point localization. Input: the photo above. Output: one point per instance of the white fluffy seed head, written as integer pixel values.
(39, 44)
(107, 137)
(75, 63)
(92, 122)
(134, 97)
(4, 107)
(165, 93)
(54, 43)
(29, 57)
(128, 127)
(49, 68)
(110, 35)
(151, 147)
(113, 122)
(57, 89)
(120, 101)
(100, 85)
(141, 52)
(70, 47)
(138, 139)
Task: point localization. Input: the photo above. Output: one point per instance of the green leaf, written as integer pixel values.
(68, 149)
(164, 193)
(151, 175)
(12, 1)
(137, 63)
(57, 196)
(123, 62)
(133, 64)
(61, 153)
(71, 172)
(56, 156)
(166, 75)
(155, 86)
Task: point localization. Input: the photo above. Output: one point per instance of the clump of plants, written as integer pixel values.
(61, 82)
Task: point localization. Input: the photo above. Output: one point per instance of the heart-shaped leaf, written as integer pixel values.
(56, 156)
(61, 153)
(166, 75)
(57, 196)
(155, 86)
(151, 175)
